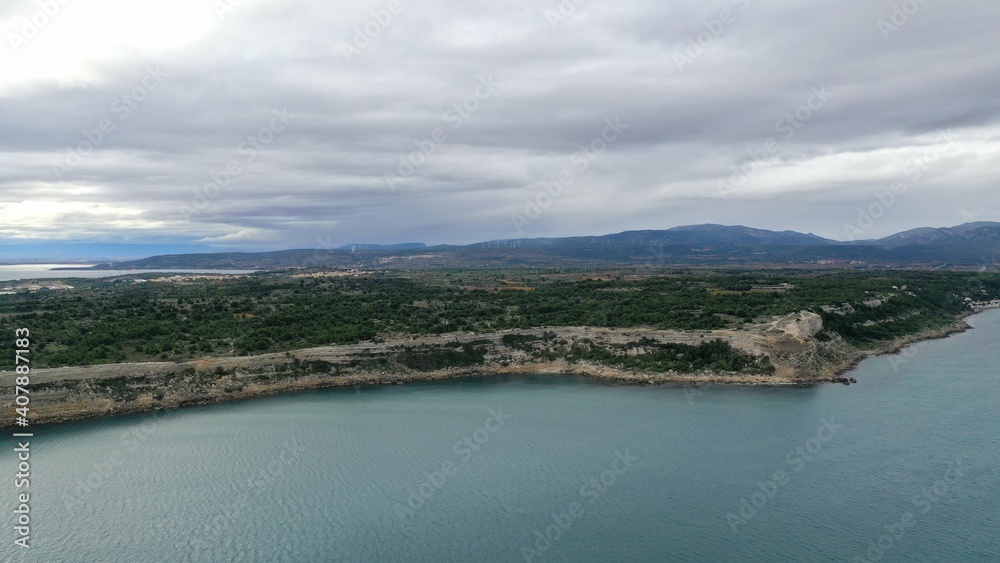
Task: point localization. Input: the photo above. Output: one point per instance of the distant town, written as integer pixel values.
(36, 286)
(980, 305)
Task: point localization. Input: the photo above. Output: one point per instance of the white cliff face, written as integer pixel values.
(790, 344)
(801, 325)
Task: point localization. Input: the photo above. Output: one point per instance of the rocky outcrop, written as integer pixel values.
(789, 342)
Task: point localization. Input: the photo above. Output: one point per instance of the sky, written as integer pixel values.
(267, 124)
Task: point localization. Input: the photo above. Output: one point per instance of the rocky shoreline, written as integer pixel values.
(790, 344)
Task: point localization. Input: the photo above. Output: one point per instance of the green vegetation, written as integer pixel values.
(430, 358)
(102, 321)
(653, 356)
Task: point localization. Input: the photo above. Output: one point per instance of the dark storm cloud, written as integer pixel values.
(834, 100)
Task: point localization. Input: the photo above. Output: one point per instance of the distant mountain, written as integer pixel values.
(403, 246)
(740, 236)
(980, 233)
(969, 245)
(694, 235)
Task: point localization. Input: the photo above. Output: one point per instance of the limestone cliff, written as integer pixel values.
(790, 344)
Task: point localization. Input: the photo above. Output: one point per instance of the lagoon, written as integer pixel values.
(10, 272)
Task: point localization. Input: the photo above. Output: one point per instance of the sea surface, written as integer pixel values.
(9, 272)
(903, 466)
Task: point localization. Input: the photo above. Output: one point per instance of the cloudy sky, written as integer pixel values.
(276, 124)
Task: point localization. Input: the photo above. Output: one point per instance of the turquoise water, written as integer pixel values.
(482, 470)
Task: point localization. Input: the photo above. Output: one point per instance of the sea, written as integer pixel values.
(902, 466)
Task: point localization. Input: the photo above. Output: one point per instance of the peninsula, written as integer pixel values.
(130, 344)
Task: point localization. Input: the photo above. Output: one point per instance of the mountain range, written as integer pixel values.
(964, 246)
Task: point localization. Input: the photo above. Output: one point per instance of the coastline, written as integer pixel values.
(75, 393)
(896, 346)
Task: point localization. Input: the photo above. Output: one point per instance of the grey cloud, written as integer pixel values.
(324, 175)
